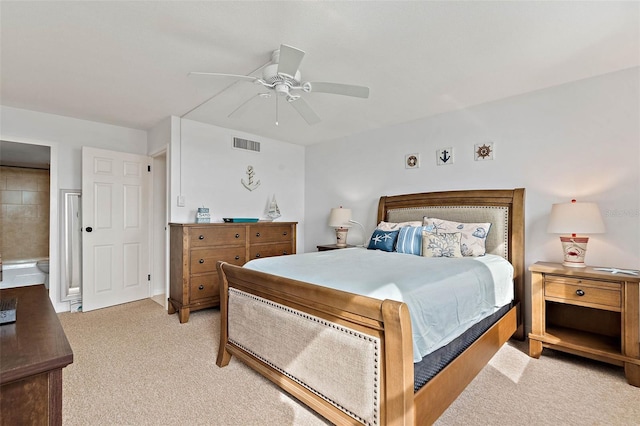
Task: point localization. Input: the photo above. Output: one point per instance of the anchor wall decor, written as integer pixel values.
(250, 185)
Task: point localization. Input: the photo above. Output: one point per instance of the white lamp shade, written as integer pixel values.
(339, 218)
(575, 218)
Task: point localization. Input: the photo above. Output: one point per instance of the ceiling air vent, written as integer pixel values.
(240, 143)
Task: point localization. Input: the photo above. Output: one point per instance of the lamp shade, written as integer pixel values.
(339, 218)
(575, 218)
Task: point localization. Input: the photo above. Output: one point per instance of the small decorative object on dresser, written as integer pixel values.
(196, 248)
(586, 312)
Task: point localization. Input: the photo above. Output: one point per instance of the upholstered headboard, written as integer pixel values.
(503, 208)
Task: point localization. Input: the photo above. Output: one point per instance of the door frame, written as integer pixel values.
(160, 190)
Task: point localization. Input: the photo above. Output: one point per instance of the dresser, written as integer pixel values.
(586, 312)
(33, 351)
(196, 249)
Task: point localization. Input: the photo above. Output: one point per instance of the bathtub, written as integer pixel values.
(19, 273)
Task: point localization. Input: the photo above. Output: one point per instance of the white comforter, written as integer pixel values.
(445, 296)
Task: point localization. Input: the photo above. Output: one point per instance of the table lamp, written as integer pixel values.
(575, 218)
(340, 219)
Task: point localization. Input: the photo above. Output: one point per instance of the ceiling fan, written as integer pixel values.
(282, 76)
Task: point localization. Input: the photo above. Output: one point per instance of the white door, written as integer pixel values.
(115, 228)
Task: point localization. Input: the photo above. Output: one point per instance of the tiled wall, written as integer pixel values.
(24, 213)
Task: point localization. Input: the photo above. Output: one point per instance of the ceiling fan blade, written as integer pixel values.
(340, 89)
(289, 60)
(305, 111)
(217, 74)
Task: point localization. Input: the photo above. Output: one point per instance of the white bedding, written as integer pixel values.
(445, 296)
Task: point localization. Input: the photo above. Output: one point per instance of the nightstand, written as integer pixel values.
(326, 247)
(586, 312)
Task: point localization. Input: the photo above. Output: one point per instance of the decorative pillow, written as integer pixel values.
(474, 235)
(393, 226)
(383, 240)
(410, 239)
(441, 245)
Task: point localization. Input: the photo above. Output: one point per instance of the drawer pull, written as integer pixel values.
(201, 237)
(237, 235)
(284, 233)
(284, 253)
(257, 254)
(580, 292)
(257, 234)
(201, 287)
(201, 260)
(237, 257)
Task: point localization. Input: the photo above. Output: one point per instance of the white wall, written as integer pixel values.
(578, 140)
(207, 171)
(66, 136)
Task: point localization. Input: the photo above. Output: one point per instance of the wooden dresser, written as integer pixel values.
(196, 249)
(33, 352)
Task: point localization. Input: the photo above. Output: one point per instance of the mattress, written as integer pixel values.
(445, 296)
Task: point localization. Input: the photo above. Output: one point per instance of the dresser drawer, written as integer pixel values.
(270, 234)
(269, 250)
(205, 260)
(583, 292)
(204, 286)
(217, 236)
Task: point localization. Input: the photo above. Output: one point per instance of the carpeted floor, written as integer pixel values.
(136, 365)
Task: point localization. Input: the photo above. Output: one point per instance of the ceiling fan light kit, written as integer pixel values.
(283, 76)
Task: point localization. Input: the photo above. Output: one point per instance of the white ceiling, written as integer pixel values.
(127, 63)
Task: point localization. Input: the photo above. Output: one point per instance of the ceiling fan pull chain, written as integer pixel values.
(277, 109)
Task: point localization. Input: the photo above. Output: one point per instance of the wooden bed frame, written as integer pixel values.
(386, 320)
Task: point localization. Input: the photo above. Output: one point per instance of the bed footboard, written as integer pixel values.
(346, 356)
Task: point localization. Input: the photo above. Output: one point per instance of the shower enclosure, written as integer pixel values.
(70, 245)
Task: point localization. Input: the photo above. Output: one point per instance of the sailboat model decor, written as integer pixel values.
(274, 211)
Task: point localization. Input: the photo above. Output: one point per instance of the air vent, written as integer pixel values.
(240, 143)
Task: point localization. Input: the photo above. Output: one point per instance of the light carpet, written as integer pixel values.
(136, 365)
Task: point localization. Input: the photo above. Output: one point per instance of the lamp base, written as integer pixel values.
(574, 249)
(341, 237)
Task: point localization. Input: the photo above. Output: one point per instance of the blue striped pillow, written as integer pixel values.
(410, 239)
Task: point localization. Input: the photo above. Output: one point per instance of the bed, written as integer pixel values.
(350, 357)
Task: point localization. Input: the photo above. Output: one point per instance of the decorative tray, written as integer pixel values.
(240, 219)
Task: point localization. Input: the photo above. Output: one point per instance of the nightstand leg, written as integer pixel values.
(535, 348)
(632, 373)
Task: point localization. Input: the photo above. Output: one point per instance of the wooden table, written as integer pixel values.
(33, 352)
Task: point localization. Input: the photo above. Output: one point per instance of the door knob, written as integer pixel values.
(89, 229)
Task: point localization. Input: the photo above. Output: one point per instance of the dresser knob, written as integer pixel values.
(257, 234)
(284, 253)
(201, 260)
(201, 287)
(258, 255)
(237, 235)
(284, 233)
(237, 257)
(580, 292)
(201, 237)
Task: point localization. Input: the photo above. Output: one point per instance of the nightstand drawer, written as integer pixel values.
(583, 292)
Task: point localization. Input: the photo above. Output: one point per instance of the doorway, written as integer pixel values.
(159, 231)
